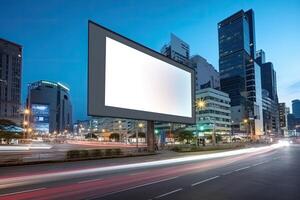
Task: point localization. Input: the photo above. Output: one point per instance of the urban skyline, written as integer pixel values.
(149, 99)
(65, 49)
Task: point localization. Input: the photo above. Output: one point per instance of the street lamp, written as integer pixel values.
(201, 104)
(26, 113)
(140, 126)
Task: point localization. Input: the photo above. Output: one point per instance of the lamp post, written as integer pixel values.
(26, 113)
(200, 105)
(140, 126)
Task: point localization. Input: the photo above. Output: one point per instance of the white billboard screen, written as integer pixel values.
(129, 80)
(135, 80)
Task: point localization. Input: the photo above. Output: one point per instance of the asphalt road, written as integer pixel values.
(261, 173)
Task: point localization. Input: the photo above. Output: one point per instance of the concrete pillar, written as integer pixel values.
(150, 136)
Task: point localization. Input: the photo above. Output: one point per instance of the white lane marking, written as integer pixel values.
(168, 193)
(226, 173)
(138, 186)
(259, 163)
(240, 169)
(24, 191)
(276, 158)
(92, 180)
(209, 179)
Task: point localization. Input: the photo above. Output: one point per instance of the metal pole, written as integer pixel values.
(137, 135)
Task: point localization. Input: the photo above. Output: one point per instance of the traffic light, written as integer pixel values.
(201, 128)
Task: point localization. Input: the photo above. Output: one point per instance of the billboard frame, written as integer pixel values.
(96, 78)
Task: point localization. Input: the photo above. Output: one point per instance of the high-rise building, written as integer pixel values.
(50, 107)
(269, 94)
(296, 108)
(10, 80)
(206, 76)
(268, 75)
(270, 114)
(283, 120)
(177, 50)
(239, 73)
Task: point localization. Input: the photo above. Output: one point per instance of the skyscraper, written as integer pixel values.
(10, 80)
(296, 108)
(50, 105)
(239, 73)
(270, 97)
(283, 120)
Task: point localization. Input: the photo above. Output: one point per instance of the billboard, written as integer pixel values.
(40, 116)
(128, 80)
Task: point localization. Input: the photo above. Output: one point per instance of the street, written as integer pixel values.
(255, 173)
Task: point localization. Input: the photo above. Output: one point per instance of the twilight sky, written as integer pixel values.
(54, 35)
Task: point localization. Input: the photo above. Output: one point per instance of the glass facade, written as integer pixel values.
(239, 74)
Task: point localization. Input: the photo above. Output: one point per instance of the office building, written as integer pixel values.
(214, 115)
(177, 50)
(10, 80)
(268, 75)
(50, 107)
(239, 73)
(296, 108)
(270, 114)
(269, 94)
(283, 120)
(206, 76)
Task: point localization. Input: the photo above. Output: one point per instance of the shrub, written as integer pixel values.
(117, 152)
(108, 152)
(73, 154)
(95, 153)
(84, 153)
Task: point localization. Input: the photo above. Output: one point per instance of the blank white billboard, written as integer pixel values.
(135, 80)
(128, 80)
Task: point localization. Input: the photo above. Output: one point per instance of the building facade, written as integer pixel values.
(283, 119)
(296, 108)
(269, 94)
(50, 107)
(206, 76)
(177, 50)
(240, 75)
(10, 80)
(215, 115)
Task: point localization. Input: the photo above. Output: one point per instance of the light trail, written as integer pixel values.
(31, 179)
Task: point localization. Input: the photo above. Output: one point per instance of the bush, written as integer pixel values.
(73, 154)
(84, 153)
(95, 153)
(117, 152)
(108, 152)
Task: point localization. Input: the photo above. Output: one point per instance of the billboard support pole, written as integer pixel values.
(150, 136)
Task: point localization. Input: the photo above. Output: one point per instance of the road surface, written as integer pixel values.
(255, 173)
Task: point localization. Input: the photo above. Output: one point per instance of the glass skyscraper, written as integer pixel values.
(239, 73)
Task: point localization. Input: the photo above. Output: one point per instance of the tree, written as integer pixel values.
(115, 137)
(184, 135)
(5, 133)
(218, 137)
